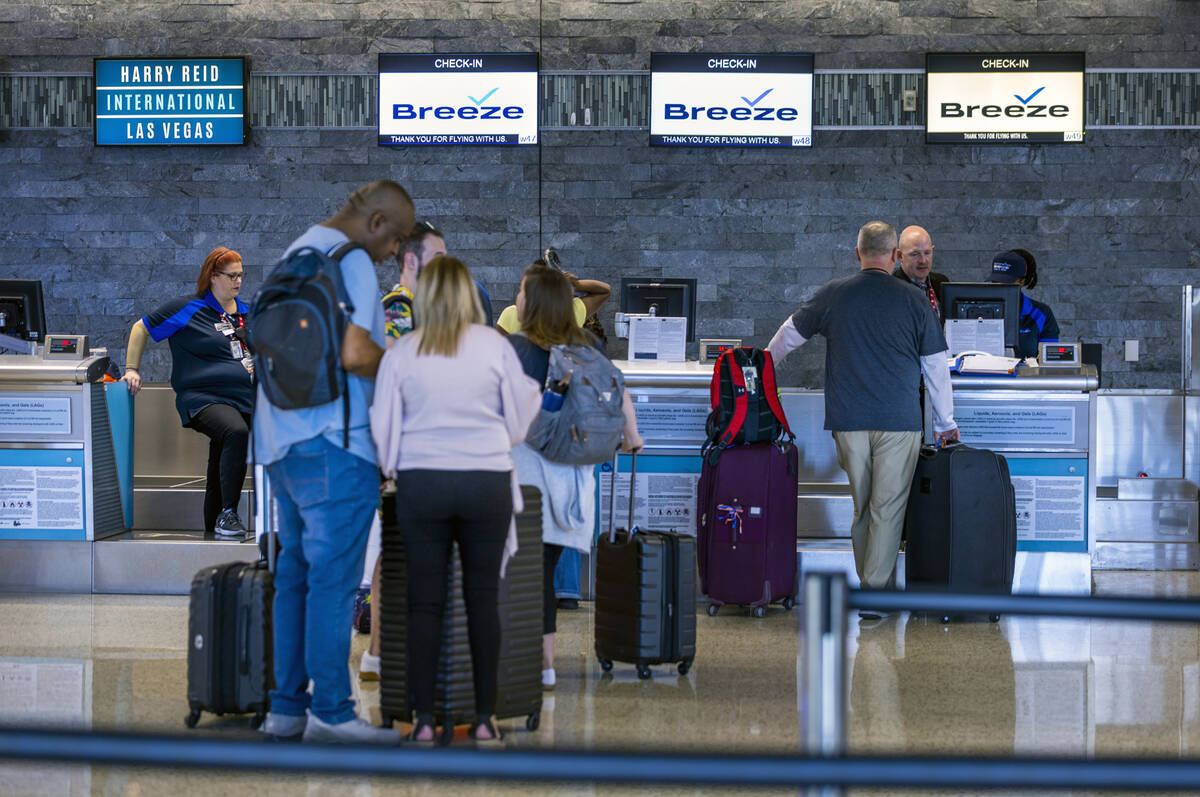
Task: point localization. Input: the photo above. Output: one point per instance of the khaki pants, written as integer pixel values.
(880, 467)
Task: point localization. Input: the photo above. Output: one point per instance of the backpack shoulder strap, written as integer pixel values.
(771, 393)
(738, 380)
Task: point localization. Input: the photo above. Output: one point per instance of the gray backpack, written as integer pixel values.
(587, 429)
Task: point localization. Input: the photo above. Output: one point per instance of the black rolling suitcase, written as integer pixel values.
(519, 679)
(645, 593)
(229, 667)
(961, 522)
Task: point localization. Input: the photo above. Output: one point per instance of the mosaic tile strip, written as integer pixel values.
(317, 101)
(609, 100)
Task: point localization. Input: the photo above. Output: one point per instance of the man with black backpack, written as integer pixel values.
(319, 345)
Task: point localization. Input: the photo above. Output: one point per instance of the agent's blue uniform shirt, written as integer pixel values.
(203, 368)
(1037, 323)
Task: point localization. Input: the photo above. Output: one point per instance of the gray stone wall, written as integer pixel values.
(115, 231)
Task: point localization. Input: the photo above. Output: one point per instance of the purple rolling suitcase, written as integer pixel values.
(747, 527)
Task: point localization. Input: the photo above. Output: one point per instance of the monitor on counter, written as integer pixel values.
(731, 100)
(22, 310)
(661, 296)
(170, 101)
(458, 99)
(1004, 98)
(986, 300)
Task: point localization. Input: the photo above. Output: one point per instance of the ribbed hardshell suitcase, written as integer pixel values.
(746, 527)
(519, 679)
(230, 667)
(961, 522)
(645, 594)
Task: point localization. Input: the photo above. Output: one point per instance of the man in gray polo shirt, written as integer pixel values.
(881, 339)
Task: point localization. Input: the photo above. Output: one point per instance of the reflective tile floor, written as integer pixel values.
(1023, 686)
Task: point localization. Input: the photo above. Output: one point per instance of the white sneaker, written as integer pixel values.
(283, 728)
(355, 731)
(548, 679)
(368, 667)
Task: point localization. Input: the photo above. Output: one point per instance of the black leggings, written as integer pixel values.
(228, 432)
(435, 508)
(550, 557)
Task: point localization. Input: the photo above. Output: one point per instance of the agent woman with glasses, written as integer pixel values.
(212, 375)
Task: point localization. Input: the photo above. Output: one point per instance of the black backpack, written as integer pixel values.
(297, 320)
(745, 402)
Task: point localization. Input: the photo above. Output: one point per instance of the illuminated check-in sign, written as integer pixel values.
(745, 100)
(170, 101)
(482, 98)
(1006, 98)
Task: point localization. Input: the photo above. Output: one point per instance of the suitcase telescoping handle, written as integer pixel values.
(612, 497)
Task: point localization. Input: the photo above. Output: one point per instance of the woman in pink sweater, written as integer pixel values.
(451, 400)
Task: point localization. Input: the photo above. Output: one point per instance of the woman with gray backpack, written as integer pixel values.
(586, 414)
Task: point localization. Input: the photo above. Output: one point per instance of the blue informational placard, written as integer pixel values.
(170, 101)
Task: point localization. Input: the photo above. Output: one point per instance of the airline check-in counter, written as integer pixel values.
(65, 464)
(1042, 420)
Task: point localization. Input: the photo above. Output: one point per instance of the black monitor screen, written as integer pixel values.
(22, 312)
(661, 296)
(985, 300)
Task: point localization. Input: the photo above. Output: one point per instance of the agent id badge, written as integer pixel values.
(235, 348)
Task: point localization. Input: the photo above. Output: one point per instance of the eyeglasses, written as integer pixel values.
(233, 276)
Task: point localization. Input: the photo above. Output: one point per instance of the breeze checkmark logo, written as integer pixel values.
(483, 99)
(757, 99)
(1026, 100)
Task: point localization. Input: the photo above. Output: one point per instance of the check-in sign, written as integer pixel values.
(480, 98)
(746, 100)
(1007, 98)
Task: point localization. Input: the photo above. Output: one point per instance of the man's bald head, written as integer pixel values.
(378, 216)
(916, 253)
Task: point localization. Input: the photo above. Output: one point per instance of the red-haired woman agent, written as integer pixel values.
(211, 371)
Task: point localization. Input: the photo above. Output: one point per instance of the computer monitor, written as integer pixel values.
(22, 311)
(985, 300)
(661, 296)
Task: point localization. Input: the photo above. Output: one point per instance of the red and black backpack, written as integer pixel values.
(745, 402)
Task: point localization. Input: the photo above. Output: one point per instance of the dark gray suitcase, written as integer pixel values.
(229, 641)
(961, 522)
(645, 594)
(519, 679)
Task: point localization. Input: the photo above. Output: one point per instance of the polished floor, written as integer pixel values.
(1023, 686)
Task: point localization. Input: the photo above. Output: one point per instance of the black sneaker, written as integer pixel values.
(570, 604)
(229, 524)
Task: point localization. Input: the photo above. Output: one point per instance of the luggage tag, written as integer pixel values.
(750, 375)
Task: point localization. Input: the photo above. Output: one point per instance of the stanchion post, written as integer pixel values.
(825, 668)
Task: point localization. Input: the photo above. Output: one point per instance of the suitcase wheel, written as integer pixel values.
(533, 721)
(713, 609)
(606, 665)
(257, 720)
(945, 619)
(995, 618)
(643, 671)
(684, 666)
(789, 603)
(758, 611)
(191, 719)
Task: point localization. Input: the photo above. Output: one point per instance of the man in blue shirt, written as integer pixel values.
(327, 494)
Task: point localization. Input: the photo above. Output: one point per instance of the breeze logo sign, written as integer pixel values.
(1017, 98)
(497, 99)
(702, 99)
